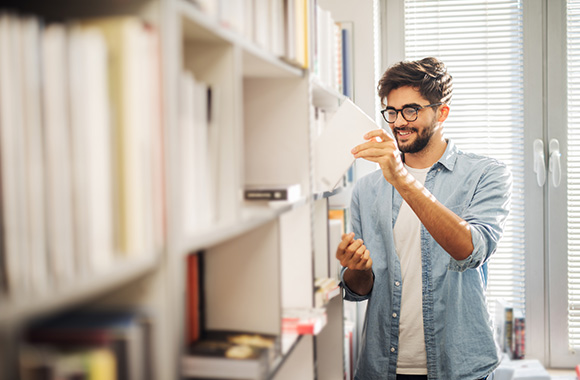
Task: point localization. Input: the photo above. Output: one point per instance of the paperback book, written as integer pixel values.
(232, 355)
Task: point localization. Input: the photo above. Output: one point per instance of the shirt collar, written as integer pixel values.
(449, 158)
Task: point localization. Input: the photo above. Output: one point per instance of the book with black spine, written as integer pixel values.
(288, 193)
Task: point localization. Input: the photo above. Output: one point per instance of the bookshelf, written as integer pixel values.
(203, 105)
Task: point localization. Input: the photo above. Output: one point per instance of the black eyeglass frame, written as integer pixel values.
(416, 108)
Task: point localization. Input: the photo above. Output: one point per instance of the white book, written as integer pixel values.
(136, 132)
(187, 174)
(231, 14)
(58, 155)
(290, 30)
(130, 88)
(91, 149)
(262, 23)
(277, 45)
(13, 159)
(326, 49)
(249, 19)
(204, 183)
(32, 105)
(157, 140)
(333, 157)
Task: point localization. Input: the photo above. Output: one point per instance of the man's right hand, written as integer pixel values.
(353, 254)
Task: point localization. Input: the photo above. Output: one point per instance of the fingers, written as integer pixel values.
(383, 145)
(346, 240)
(353, 254)
(380, 133)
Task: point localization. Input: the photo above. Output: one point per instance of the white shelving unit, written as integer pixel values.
(258, 260)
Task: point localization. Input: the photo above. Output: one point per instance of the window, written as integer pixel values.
(481, 42)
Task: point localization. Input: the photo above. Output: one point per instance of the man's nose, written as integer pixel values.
(400, 121)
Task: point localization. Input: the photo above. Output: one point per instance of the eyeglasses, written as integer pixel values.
(410, 113)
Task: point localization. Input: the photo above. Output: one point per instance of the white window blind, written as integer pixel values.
(481, 42)
(573, 158)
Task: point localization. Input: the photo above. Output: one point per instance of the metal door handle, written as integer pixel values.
(539, 162)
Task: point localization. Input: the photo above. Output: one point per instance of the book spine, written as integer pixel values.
(281, 194)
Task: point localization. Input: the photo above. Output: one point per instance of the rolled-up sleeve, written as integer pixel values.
(486, 214)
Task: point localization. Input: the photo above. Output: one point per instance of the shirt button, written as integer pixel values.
(394, 315)
(392, 349)
(397, 283)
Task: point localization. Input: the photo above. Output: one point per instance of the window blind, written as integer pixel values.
(573, 164)
(481, 42)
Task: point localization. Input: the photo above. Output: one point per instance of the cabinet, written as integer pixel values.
(260, 102)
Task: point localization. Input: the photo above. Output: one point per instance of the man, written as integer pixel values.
(424, 226)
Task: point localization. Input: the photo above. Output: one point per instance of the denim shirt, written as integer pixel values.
(458, 329)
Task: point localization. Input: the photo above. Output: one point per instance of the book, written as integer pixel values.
(347, 59)
(48, 363)
(270, 342)
(62, 260)
(503, 325)
(194, 317)
(124, 332)
(132, 78)
(90, 149)
(324, 290)
(519, 326)
(230, 354)
(303, 321)
(344, 130)
(32, 106)
(13, 159)
(288, 193)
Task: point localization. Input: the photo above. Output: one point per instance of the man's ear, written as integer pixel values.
(443, 113)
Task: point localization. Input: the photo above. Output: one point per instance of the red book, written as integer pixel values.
(193, 318)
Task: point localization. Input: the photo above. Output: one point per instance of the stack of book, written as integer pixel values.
(97, 345)
(231, 355)
(509, 324)
(303, 321)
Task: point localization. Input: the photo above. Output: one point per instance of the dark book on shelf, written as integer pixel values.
(194, 297)
(126, 332)
(272, 192)
(230, 355)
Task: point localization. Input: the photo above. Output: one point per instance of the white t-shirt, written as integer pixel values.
(412, 358)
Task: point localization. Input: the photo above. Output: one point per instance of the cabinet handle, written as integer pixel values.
(539, 162)
(555, 166)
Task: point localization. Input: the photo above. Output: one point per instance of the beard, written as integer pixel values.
(422, 138)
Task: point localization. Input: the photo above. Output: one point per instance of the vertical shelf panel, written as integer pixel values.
(296, 259)
(321, 253)
(330, 342)
(242, 282)
(299, 365)
(276, 126)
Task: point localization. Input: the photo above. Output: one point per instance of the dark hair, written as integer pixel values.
(428, 75)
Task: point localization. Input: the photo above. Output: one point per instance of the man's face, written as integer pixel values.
(412, 136)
